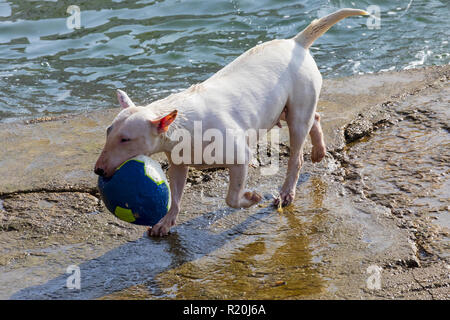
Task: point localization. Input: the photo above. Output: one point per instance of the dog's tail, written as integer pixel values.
(319, 26)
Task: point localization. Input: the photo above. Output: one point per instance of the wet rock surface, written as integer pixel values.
(380, 197)
(405, 166)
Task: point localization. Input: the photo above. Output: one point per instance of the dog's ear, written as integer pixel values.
(124, 100)
(162, 124)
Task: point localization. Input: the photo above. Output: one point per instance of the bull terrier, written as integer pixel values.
(276, 80)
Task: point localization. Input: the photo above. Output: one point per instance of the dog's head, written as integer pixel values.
(134, 131)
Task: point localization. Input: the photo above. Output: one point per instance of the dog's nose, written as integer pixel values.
(99, 171)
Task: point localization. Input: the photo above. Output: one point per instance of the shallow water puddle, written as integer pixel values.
(275, 265)
(273, 258)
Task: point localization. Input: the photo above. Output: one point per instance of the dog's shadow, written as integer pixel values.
(140, 261)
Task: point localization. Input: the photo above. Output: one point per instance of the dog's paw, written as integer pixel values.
(253, 197)
(158, 230)
(318, 153)
(162, 228)
(284, 199)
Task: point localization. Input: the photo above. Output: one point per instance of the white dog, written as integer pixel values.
(276, 80)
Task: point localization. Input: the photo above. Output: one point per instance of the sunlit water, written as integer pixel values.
(153, 48)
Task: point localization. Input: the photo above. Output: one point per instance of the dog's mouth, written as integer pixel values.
(100, 172)
(109, 174)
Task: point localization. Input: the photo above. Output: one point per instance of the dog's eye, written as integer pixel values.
(125, 140)
(108, 130)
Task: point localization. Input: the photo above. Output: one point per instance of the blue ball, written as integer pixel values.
(138, 191)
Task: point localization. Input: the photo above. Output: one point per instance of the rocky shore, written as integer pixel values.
(380, 198)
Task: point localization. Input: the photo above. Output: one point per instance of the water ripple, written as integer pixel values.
(153, 48)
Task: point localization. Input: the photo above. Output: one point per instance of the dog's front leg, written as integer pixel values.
(237, 197)
(177, 181)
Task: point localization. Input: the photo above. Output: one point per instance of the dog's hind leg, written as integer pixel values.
(318, 145)
(300, 121)
(237, 197)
